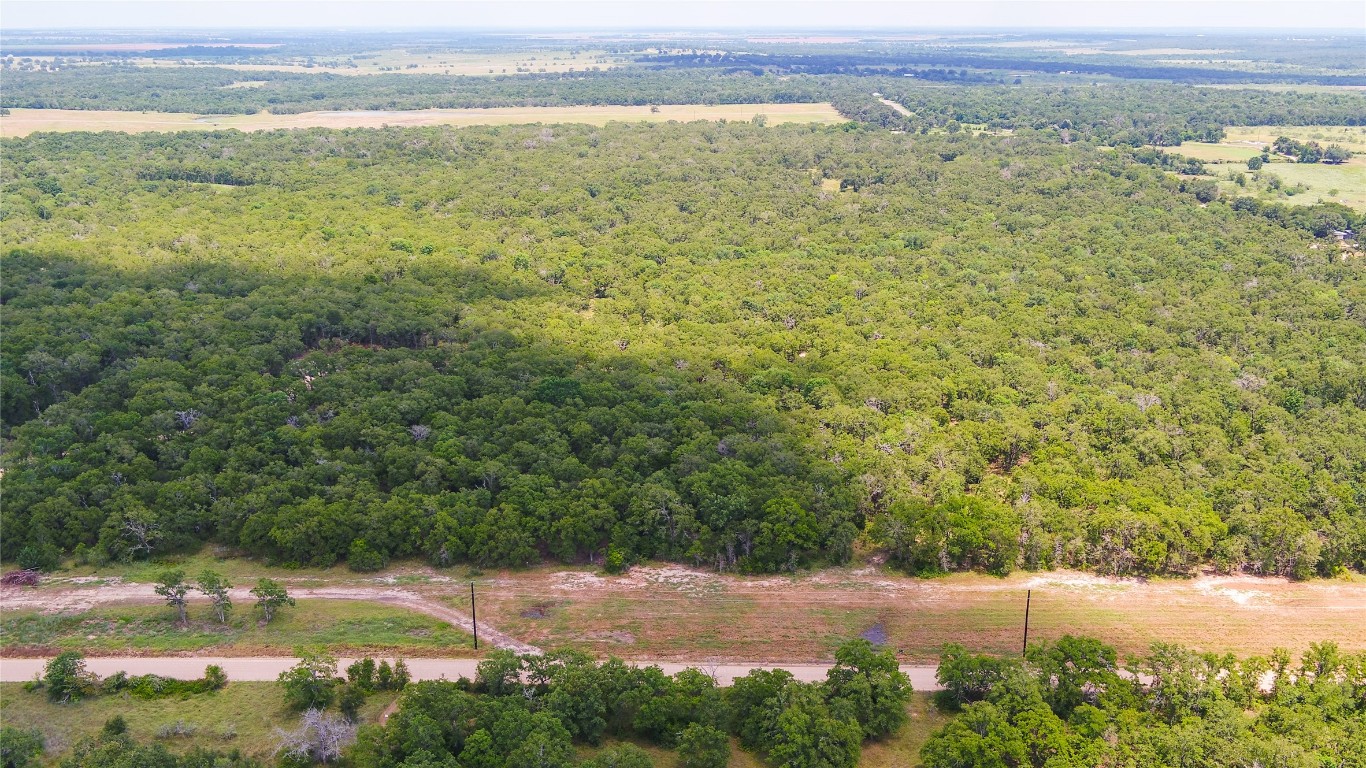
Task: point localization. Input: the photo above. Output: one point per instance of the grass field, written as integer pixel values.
(345, 627)
(1345, 183)
(1352, 137)
(241, 716)
(21, 122)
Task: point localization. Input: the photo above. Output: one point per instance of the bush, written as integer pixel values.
(39, 557)
(67, 680)
(702, 746)
(178, 729)
(114, 726)
(19, 748)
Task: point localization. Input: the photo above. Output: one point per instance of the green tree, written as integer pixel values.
(703, 746)
(66, 678)
(270, 596)
(969, 677)
(623, 756)
(311, 683)
(981, 737)
(215, 587)
(547, 745)
(1336, 155)
(803, 733)
(868, 685)
(172, 587)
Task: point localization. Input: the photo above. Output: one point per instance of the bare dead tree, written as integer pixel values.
(320, 737)
(141, 532)
(1145, 400)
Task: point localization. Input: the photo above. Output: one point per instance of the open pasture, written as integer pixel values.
(341, 625)
(1344, 183)
(22, 122)
(242, 716)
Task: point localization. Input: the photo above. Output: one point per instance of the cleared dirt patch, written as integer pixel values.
(22, 122)
(896, 106)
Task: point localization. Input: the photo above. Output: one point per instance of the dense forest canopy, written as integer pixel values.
(496, 345)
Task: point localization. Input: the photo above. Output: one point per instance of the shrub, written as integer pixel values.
(178, 729)
(18, 749)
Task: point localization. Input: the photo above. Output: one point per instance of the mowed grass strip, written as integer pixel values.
(241, 716)
(344, 627)
(22, 122)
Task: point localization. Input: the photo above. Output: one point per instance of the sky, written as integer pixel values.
(1348, 16)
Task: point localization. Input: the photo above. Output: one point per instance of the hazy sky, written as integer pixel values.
(1348, 16)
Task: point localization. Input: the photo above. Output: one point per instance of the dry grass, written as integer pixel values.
(22, 122)
(671, 614)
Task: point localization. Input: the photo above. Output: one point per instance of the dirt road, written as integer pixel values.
(269, 668)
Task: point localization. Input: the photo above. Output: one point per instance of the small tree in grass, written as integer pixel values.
(270, 595)
(172, 587)
(215, 587)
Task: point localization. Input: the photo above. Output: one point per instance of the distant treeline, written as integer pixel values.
(872, 63)
(1134, 114)
(1164, 115)
(205, 90)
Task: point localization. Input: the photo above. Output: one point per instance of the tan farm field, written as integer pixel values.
(22, 122)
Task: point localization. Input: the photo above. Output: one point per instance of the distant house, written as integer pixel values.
(1344, 235)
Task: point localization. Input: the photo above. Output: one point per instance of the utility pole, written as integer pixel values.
(474, 618)
(1028, 594)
